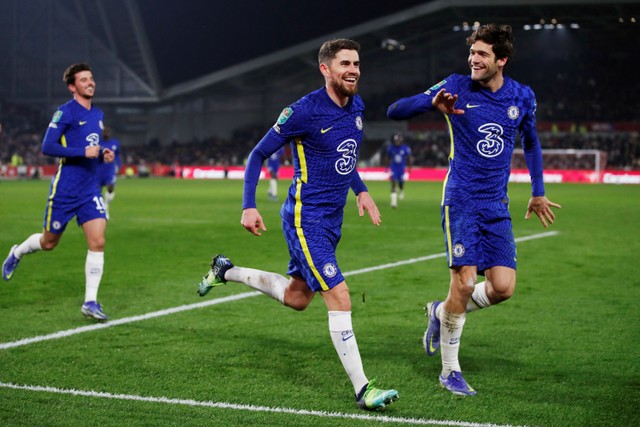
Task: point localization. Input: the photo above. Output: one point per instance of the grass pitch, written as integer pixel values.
(563, 351)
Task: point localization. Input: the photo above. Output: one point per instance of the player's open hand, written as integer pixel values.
(446, 102)
(366, 203)
(542, 208)
(252, 221)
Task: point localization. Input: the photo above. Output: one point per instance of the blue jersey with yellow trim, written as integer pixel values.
(325, 140)
(71, 130)
(483, 138)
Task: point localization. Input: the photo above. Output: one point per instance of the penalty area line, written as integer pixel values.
(125, 320)
(250, 408)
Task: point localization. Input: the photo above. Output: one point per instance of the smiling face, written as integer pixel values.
(341, 75)
(84, 86)
(485, 67)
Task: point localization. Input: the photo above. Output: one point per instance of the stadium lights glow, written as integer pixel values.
(554, 25)
(391, 44)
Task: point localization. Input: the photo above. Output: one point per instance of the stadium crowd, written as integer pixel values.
(21, 139)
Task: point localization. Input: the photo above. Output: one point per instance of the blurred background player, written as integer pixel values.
(326, 129)
(108, 172)
(398, 160)
(74, 135)
(273, 165)
(477, 226)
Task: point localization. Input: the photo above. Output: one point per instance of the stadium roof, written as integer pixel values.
(39, 38)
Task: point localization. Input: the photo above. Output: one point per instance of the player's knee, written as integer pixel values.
(501, 291)
(48, 245)
(462, 285)
(504, 293)
(97, 244)
(298, 304)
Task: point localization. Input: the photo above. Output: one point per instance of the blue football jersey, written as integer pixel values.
(483, 138)
(325, 140)
(398, 155)
(107, 171)
(71, 130)
(273, 162)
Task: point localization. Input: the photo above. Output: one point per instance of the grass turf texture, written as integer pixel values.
(563, 351)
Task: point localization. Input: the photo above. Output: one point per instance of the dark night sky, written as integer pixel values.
(191, 38)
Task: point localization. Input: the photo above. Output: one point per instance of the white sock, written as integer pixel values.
(93, 273)
(270, 284)
(273, 187)
(450, 332)
(110, 196)
(479, 298)
(29, 246)
(394, 199)
(344, 341)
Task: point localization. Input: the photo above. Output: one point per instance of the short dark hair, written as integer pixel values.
(69, 76)
(329, 49)
(499, 36)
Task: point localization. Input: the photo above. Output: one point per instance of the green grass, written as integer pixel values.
(563, 351)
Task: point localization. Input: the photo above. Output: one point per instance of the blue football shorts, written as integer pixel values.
(107, 177)
(313, 255)
(60, 211)
(397, 174)
(479, 234)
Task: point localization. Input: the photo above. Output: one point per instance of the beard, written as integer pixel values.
(343, 90)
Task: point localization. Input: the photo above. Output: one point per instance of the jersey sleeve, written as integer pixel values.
(52, 144)
(405, 108)
(532, 148)
(357, 185)
(269, 144)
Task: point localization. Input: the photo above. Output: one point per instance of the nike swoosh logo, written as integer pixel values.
(472, 105)
(325, 130)
(431, 347)
(348, 336)
(82, 123)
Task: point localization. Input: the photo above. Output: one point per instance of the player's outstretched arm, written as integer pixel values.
(542, 208)
(366, 203)
(251, 220)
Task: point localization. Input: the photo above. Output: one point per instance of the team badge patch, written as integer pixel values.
(56, 116)
(56, 225)
(513, 112)
(457, 250)
(359, 122)
(329, 270)
(437, 86)
(284, 116)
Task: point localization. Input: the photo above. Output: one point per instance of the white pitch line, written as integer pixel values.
(253, 408)
(124, 320)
